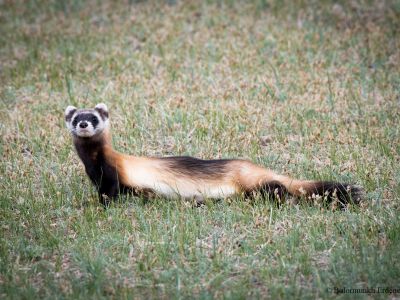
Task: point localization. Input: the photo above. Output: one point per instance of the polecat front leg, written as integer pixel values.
(105, 178)
(108, 192)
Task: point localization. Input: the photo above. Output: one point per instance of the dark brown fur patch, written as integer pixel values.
(272, 190)
(88, 117)
(198, 168)
(344, 193)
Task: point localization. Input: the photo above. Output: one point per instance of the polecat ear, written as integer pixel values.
(69, 112)
(103, 110)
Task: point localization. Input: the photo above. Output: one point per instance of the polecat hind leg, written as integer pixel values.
(273, 190)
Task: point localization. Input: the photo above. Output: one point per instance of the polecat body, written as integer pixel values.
(181, 176)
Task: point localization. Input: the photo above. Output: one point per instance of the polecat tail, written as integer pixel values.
(327, 190)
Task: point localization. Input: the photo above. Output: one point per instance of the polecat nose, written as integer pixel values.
(83, 124)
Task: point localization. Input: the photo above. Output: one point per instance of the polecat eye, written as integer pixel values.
(95, 121)
(75, 122)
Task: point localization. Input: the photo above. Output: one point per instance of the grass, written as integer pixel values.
(307, 89)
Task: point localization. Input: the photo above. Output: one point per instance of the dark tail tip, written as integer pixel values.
(341, 193)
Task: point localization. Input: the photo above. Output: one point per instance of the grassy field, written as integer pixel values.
(310, 90)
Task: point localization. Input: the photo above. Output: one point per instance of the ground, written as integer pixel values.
(307, 89)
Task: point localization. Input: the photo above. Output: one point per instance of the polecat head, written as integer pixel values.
(87, 122)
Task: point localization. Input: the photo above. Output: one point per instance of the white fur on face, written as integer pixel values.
(85, 132)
